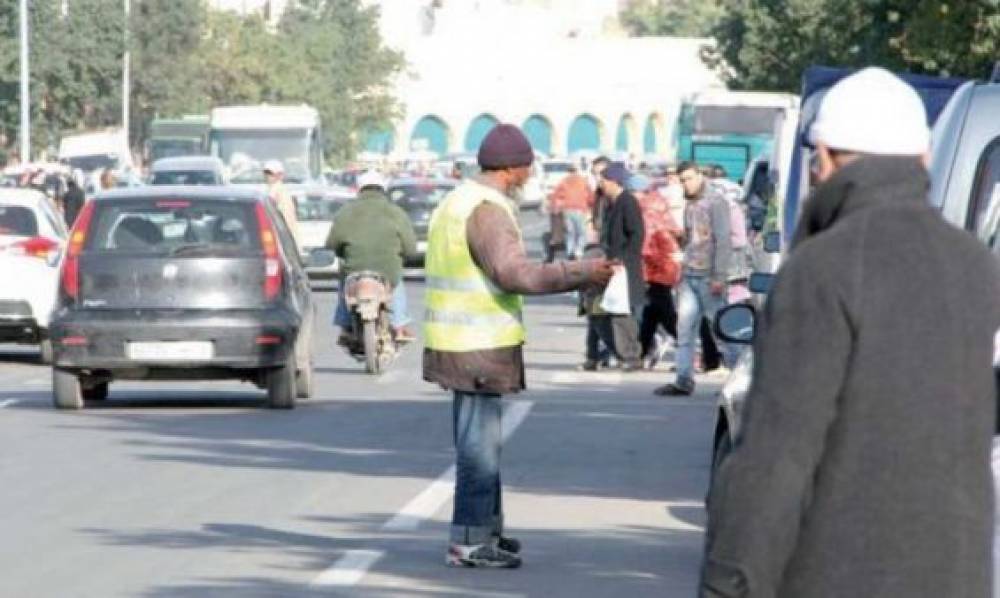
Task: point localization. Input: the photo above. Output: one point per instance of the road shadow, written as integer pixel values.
(629, 560)
(23, 355)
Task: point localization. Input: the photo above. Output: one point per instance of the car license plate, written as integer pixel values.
(421, 246)
(171, 351)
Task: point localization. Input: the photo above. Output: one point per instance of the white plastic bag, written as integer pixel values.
(615, 300)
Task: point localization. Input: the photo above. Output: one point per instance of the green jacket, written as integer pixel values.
(372, 233)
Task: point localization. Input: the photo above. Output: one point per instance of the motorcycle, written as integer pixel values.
(368, 296)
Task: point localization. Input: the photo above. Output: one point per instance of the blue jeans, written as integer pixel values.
(398, 315)
(576, 234)
(695, 301)
(478, 514)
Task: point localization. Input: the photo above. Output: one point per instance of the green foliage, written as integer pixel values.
(187, 58)
(766, 44)
(680, 18)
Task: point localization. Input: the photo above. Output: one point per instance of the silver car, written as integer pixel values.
(188, 170)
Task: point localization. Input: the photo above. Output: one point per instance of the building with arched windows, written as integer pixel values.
(568, 77)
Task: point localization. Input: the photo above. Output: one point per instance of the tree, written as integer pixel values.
(334, 58)
(767, 44)
(680, 18)
(167, 78)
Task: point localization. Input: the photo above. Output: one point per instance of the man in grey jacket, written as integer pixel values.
(707, 260)
(863, 466)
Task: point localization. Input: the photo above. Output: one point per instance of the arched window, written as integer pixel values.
(584, 134)
(478, 129)
(625, 139)
(651, 136)
(431, 133)
(538, 130)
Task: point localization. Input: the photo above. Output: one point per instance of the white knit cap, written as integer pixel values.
(872, 112)
(274, 167)
(372, 178)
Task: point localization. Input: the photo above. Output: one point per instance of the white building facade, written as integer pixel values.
(560, 69)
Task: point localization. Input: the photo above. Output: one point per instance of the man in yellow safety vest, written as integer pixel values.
(477, 270)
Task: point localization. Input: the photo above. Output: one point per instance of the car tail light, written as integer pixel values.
(272, 257)
(34, 247)
(268, 339)
(71, 265)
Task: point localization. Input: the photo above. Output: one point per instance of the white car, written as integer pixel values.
(316, 214)
(32, 237)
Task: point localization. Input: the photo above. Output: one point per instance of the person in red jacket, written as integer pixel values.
(659, 265)
(574, 200)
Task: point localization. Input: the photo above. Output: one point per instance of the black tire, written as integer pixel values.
(98, 392)
(369, 334)
(304, 380)
(45, 353)
(66, 390)
(281, 386)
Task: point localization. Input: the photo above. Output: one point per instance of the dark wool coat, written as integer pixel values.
(864, 465)
(622, 238)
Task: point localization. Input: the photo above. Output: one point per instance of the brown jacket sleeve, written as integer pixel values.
(497, 248)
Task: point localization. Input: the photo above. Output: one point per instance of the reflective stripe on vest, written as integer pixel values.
(465, 310)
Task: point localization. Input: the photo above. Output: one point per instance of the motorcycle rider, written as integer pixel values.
(372, 233)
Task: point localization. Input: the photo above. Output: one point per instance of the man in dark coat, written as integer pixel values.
(622, 236)
(863, 468)
(72, 201)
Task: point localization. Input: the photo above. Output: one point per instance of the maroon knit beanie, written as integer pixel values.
(505, 147)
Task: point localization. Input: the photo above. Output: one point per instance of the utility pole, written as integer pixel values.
(25, 88)
(126, 84)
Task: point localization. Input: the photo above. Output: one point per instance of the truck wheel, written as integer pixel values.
(281, 386)
(304, 380)
(66, 390)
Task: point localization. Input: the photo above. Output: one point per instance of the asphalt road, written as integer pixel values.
(195, 490)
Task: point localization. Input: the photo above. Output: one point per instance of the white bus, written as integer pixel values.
(245, 137)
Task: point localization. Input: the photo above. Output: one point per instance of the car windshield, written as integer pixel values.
(91, 163)
(246, 152)
(430, 194)
(734, 120)
(185, 177)
(169, 148)
(318, 209)
(174, 227)
(17, 221)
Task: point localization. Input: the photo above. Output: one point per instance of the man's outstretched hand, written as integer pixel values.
(602, 270)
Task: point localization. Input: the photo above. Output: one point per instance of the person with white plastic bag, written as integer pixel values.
(622, 236)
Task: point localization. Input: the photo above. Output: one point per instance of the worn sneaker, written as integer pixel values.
(675, 389)
(486, 556)
(512, 545)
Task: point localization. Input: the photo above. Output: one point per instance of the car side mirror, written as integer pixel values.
(772, 242)
(761, 283)
(322, 258)
(736, 324)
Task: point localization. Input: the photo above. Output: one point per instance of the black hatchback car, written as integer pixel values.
(181, 283)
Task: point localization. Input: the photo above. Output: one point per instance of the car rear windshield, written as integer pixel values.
(17, 221)
(185, 177)
(318, 210)
(420, 194)
(174, 227)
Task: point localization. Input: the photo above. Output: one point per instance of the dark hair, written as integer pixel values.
(718, 171)
(600, 160)
(685, 166)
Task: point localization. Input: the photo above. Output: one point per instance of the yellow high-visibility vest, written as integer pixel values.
(465, 310)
